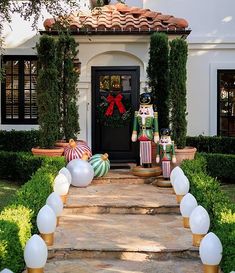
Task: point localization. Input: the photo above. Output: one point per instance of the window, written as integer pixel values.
(226, 102)
(19, 97)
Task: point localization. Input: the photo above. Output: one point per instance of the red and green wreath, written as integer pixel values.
(114, 111)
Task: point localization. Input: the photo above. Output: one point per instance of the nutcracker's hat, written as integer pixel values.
(146, 98)
(165, 132)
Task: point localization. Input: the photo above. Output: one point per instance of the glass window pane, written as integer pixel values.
(104, 84)
(26, 82)
(34, 67)
(16, 67)
(8, 67)
(8, 82)
(115, 82)
(27, 68)
(15, 82)
(126, 83)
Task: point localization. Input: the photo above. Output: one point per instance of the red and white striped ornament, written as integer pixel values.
(76, 150)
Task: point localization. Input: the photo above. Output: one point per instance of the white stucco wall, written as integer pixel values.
(211, 47)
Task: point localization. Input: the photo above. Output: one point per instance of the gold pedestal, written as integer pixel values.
(179, 198)
(210, 268)
(64, 198)
(35, 270)
(163, 183)
(57, 221)
(186, 222)
(197, 239)
(48, 238)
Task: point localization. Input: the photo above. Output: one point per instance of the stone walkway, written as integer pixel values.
(122, 224)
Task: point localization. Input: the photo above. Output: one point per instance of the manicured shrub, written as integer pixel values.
(158, 75)
(66, 52)
(48, 95)
(221, 166)
(18, 166)
(178, 77)
(222, 212)
(215, 144)
(15, 230)
(18, 141)
(18, 220)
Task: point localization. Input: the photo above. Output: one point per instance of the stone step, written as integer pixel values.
(121, 199)
(122, 176)
(116, 236)
(121, 266)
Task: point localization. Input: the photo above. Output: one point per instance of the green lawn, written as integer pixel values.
(230, 190)
(7, 190)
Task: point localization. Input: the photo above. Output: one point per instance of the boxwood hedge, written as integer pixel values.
(18, 220)
(222, 212)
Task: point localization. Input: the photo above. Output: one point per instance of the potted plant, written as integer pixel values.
(47, 98)
(178, 100)
(68, 76)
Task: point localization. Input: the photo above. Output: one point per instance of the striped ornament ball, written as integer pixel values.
(76, 150)
(100, 164)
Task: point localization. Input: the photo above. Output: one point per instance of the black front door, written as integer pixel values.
(112, 126)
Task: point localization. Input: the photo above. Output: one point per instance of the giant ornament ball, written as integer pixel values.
(81, 171)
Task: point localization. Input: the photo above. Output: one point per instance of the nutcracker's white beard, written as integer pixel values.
(145, 112)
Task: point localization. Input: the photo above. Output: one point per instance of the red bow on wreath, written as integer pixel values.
(112, 101)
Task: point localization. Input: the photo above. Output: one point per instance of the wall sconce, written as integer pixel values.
(35, 254)
(77, 66)
(54, 201)
(211, 253)
(187, 205)
(46, 223)
(199, 222)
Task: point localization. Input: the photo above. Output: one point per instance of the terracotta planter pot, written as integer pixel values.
(63, 143)
(56, 151)
(186, 153)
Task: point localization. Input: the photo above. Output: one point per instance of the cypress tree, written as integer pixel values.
(157, 72)
(47, 92)
(178, 76)
(67, 82)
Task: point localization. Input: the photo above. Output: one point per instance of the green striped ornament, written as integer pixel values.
(100, 164)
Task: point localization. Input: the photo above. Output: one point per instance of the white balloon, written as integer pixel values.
(81, 171)
(199, 221)
(46, 220)
(188, 204)
(211, 249)
(61, 184)
(176, 171)
(6, 270)
(67, 173)
(181, 185)
(35, 252)
(55, 202)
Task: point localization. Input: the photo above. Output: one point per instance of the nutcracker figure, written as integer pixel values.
(166, 152)
(146, 122)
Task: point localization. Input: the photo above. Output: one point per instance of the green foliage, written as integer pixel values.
(18, 166)
(158, 76)
(222, 212)
(16, 141)
(18, 220)
(117, 120)
(178, 77)
(67, 80)
(48, 95)
(15, 230)
(221, 166)
(215, 144)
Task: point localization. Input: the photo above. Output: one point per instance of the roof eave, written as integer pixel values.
(181, 32)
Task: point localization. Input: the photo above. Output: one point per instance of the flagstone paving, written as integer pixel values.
(122, 227)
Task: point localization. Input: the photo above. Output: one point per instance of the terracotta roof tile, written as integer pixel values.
(110, 18)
